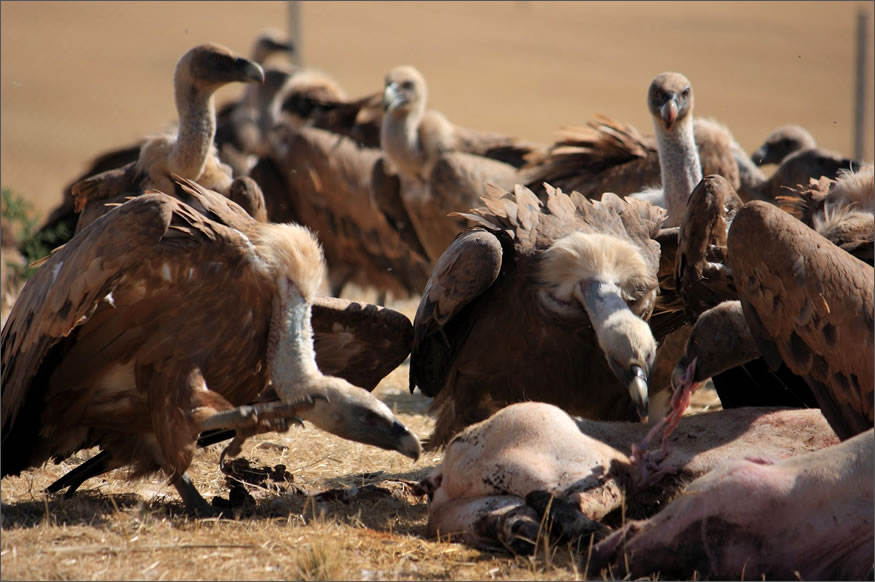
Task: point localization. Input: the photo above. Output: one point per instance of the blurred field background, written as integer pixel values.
(79, 78)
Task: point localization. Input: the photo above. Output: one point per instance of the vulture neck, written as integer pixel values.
(608, 312)
(197, 129)
(679, 165)
(399, 138)
(291, 357)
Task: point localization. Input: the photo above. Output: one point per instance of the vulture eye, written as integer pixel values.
(407, 85)
(685, 92)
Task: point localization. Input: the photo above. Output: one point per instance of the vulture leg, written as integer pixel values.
(96, 465)
(194, 502)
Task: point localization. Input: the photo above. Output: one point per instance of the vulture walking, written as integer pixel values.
(160, 321)
(442, 167)
(542, 300)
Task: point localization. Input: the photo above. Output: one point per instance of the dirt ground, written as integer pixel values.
(77, 78)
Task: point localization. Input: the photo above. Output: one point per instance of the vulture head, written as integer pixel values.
(207, 67)
(669, 100)
(604, 275)
(719, 340)
(781, 143)
(271, 42)
(355, 414)
(404, 91)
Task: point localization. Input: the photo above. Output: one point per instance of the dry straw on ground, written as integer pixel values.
(321, 508)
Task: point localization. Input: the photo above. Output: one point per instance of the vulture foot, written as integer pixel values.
(195, 504)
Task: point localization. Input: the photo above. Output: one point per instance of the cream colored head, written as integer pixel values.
(602, 273)
(669, 100)
(404, 91)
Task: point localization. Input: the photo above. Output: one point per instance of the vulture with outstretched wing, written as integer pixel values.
(157, 322)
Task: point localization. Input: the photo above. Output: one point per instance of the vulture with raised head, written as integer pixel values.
(609, 156)
(154, 323)
(190, 153)
(442, 167)
(784, 141)
(61, 222)
(566, 285)
(322, 180)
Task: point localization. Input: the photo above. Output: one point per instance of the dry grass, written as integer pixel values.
(80, 78)
(336, 511)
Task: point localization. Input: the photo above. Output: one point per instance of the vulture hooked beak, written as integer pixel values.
(250, 72)
(759, 156)
(637, 385)
(392, 97)
(669, 113)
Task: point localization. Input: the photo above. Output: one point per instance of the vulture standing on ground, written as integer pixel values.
(442, 167)
(542, 301)
(135, 326)
(190, 153)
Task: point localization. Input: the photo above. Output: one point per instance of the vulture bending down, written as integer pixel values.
(805, 304)
(442, 167)
(156, 321)
(190, 153)
(542, 301)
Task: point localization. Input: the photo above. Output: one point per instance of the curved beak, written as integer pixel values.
(392, 97)
(669, 113)
(759, 156)
(250, 72)
(406, 442)
(637, 385)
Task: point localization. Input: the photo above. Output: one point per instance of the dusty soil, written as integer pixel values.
(78, 78)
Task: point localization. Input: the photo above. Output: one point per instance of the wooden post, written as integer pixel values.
(860, 93)
(295, 30)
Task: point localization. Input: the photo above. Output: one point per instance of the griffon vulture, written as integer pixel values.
(124, 327)
(61, 222)
(190, 153)
(784, 141)
(541, 301)
(806, 304)
(322, 180)
(442, 167)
